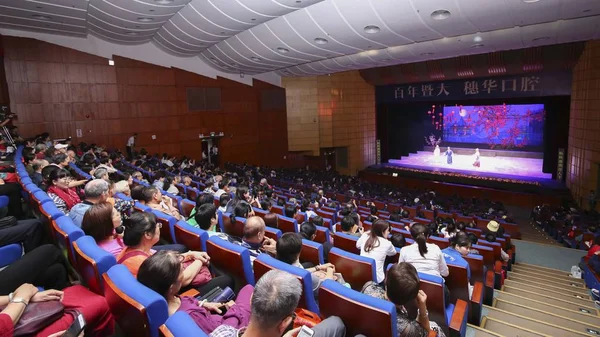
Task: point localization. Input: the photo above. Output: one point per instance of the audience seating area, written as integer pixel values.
(508, 299)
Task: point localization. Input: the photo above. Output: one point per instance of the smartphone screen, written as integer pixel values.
(305, 332)
(76, 327)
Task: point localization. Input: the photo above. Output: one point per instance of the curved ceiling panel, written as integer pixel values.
(309, 37)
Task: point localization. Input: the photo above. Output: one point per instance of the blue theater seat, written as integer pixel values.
(362, 314)
(356, 270)
(167, 232)
(181, 325)
(65, 233)
(273, 233)
(138, 310)
(91, 262)
(265, 263)
(441, 312)
(192, 237)
(312, 252)
(10, 253)
(231, 259)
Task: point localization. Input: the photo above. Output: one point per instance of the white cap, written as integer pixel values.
(61, 146)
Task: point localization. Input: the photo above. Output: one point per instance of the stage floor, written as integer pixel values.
(501, 167)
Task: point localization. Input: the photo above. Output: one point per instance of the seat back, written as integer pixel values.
(487, 253)
(346, 242)
(91, 262)
(139, 207)
(231, 259)
(187, 206)
(440, 242)
(138, 310)
(265, 263)
(224, 221)
(181, 325)
(192, 193)
(477, 269)
(277, 209)
(433, 286)
(357, 270)
(10, 253)
(66, 233)
(322, 235)
(167, 232)
(235, 228)
(192, 237)
(495, 246)
(362, 314)
(311, 252)
(457, 283)
(287, 225)
(273, 233)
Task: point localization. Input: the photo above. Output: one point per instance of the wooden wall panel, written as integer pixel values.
(583, 153)
(59, 90)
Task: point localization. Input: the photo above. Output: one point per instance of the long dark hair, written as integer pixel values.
(377, 230)
(138, 224)
(167, 183)
(97, 221)
(420, 233)
(160, 271)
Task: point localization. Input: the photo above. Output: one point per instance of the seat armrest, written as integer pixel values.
(476, 303)
(490, 278)
(9, 254)
(458, 322)
(190, 293)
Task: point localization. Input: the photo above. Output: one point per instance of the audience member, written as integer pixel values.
(162, 272)
(154, 199)
(95, 191)
(402, 288)
(374, 244)
(63, 196)
(426, 257)
(273, 303)
(254, 238)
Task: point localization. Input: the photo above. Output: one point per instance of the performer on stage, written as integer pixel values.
(476, 156)
(449, 154)
(436, 153)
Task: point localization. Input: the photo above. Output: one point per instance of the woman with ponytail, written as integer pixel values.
(426, 257)
(374, 244)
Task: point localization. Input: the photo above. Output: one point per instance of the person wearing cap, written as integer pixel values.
(493, 230)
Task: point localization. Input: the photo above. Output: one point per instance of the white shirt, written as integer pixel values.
(131, 141)
(378, 253)
(433, 263)
(219, 192)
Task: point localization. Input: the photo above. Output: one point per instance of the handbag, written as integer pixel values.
(306, 317)
(37, 316)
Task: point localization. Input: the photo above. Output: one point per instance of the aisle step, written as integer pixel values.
(528, 265)
(564, 301)
(563, 293)
(559, 274)
(588, 315)
(481, 332)
(541, 279)
(547, 317)
(568, 289)
(507, 329)
(530, 324)
(556, 277)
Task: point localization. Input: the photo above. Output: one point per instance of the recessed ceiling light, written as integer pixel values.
(283, 50)
(320, 40)
(426, 54)
(530, 1)
(477, 45)
(151, 10)
(144, 19)
(541, 38)
(131, 33)
(39, 7)
(163, 2)
(253, 19)
(41, 17)
(111, 62)
(440, 14)
(371, 29)
(477, 38)
(255, 58)
(587, 10)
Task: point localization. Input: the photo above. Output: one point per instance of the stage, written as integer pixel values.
(500, 169)
(511, 167)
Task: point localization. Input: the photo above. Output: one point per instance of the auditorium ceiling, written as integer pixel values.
(311, 37)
